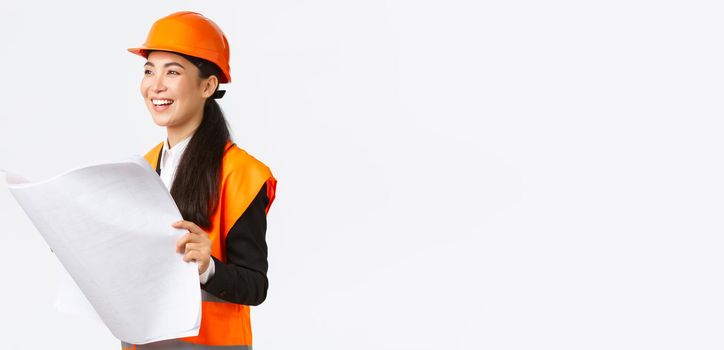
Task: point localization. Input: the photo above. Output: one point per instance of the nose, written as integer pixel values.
(158, 84)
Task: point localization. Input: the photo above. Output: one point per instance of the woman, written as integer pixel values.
(223, 193)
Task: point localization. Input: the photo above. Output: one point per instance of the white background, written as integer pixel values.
(452, 175)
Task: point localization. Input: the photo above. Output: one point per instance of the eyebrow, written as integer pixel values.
(165, 65)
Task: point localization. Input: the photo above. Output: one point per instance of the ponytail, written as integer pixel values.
(196, 186)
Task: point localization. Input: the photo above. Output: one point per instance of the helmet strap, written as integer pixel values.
(218, 94)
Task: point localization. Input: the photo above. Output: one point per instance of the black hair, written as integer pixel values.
(195, 188)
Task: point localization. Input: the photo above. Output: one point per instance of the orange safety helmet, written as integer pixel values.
(192, 34)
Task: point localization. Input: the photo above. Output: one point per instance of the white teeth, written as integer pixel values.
(162, 102)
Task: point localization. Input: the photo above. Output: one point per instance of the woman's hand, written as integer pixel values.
(195, 245)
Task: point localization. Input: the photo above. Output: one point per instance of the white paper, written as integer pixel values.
(70, 298)
(110, 227)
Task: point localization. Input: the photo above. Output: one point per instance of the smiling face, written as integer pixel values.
(174, 93)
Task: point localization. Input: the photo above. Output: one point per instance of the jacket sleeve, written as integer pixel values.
(242, 279)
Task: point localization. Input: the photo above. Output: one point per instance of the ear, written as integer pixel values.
(209, 86)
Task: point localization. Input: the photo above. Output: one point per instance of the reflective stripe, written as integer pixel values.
(175, 344)
(206, 296)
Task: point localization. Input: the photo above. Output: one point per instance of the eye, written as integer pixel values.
(147, 72)
(173, 72)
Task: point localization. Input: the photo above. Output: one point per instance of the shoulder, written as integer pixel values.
(239, 162)
(243, 179)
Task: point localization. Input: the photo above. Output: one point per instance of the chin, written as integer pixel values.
(161, 120)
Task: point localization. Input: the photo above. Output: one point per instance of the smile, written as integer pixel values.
(161, 102)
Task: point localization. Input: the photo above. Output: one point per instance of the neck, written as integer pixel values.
(177, 133)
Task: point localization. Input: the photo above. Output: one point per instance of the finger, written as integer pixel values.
(196, 246)
(203, 249)
(189, 256)
(183, 224)
(193, 255)
(194, 238)
(181, 242)
(189, 226)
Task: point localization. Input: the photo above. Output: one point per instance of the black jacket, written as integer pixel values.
(242, 279)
